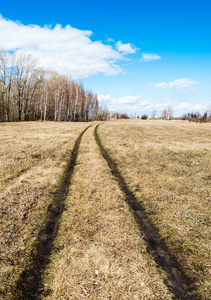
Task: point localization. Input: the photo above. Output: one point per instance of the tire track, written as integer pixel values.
(178, 282)
(29, 285)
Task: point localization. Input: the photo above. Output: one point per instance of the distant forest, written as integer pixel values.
(30, 93)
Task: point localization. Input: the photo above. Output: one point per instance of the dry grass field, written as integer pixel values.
(32, 160)
(167, 164)
(99, 252)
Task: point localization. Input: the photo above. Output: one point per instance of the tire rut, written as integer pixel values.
(29, 285)
(178, 282)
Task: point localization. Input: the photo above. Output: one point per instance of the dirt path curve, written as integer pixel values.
(30, 284)
(178, 283)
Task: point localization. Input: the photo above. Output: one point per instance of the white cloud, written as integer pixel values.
(162, 85)
(110, 40)
(124, 104)
(67, 50)
(185, 107)
(179, 84)
(182, 106)
(199, 107)
(125, 48)
(150, 57)
(145, 102)
(103, 98)
(126, 100)
(118, 101)
(131, 104)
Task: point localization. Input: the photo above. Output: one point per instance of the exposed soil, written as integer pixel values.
(178, 282)
(30, 284)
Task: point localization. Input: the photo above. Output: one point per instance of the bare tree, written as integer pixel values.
(209, 110)
(164, 114)
(30, 93)
(6, 78)
(154, 113)
(170, 113)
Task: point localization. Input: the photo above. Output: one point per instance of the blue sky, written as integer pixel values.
(137, 55)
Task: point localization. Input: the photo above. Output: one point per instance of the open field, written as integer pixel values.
(100, 251)
(32, 160)
(168, 167)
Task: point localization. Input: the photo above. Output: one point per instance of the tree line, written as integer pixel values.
(30, 93)
(197, 117)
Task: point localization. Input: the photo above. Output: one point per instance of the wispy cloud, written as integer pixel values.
(130, 104)
(120, 100)
(181, 108)
(150, 57)
(125, 48)
(179, 84)
(122, 104)
(67, 50)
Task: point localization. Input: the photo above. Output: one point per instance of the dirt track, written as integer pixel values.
(30, 285)
(178, 282)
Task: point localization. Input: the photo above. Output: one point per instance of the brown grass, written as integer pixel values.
(33, 156)
(167, 164)
(99, 253)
